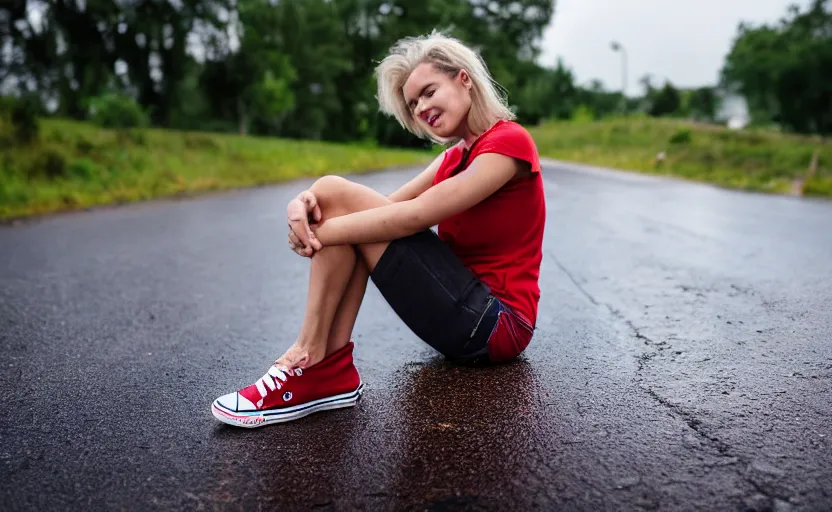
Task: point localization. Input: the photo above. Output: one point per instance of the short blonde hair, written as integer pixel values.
(449, 55)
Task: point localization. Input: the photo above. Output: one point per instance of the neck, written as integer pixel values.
(468, 141)
(468, 137)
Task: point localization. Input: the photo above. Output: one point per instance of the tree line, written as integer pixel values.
(784, 70)
(303, 68)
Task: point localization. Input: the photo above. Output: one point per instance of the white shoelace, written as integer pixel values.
(274, 379)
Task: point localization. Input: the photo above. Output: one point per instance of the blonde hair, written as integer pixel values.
(448, 55)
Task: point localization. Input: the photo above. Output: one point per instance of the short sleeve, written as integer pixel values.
(451, 159)
(512, 140)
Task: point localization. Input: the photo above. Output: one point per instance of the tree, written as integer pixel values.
(253, 83)
(564, 93)
(71, 52)
(785, 71)
(666, 102)
(702, 104)
(293, 68)
(546, 93)
(312, 39)
(506, 32)
(598, 100)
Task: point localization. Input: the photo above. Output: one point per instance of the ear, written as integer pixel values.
(465, 79)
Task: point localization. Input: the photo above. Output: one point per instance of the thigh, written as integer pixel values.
(372, 253)
(435, 295)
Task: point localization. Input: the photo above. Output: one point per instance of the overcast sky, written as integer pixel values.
(683, 40)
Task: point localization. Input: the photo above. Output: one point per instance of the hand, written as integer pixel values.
(304, 242)
(296, 245)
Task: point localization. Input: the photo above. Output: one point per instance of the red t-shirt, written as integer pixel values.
(501, 238)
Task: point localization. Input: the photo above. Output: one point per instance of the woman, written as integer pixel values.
(471, 292)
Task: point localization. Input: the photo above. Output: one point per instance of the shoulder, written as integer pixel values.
(449, 159)
(511, 139)
(511, 131)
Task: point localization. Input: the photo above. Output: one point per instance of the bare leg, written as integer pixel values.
(329, 275)
(342, 326)
(338, 276)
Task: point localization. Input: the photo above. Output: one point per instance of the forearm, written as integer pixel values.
(381, 224)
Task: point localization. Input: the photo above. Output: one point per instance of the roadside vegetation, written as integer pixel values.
(750, 159)
(74, 165)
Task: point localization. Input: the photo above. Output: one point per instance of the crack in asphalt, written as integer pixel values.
(574, 281)
(693, 423)
(765, 492)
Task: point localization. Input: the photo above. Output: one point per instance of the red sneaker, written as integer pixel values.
(286, 395)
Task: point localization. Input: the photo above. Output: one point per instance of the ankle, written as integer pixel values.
(334, 346)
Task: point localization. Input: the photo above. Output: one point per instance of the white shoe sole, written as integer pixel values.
(254, 419)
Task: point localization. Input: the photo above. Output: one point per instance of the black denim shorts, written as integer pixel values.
(438, 297)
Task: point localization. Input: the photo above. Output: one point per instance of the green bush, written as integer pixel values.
(195, 141)
(583, 114)
(83, 168)
(118, 112)
(818, 186)
(136, 137)
(682, 136)
(49, 165)
(84, 146)
(19, 123)
(25, 122)
(57, 136)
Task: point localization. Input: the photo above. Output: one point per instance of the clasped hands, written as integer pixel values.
(301, 213)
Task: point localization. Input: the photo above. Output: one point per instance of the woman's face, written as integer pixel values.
(437, 101)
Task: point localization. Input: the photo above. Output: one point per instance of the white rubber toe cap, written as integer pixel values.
(235, 402)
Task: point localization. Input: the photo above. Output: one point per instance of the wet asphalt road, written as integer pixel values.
(683, 361)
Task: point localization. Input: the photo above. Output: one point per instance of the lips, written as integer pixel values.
(431, 120)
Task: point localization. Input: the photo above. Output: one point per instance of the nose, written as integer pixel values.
(421, 107)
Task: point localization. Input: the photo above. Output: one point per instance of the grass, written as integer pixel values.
(760, 160)
(76, 165)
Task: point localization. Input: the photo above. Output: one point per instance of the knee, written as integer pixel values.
(332, 193)
(329, 187)
(329, 183)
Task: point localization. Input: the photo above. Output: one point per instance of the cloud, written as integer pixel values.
(684, 41)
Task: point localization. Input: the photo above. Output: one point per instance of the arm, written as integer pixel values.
(486, 174)
(415, 187)
(300, 233)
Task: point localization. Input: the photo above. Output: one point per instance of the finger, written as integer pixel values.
(311, 203)
(298, 218)
(308, 251)
(297, 249)
(309, 199)
(313, 240)
(316, 244)
(301, 230)
(295, 210)
(297, 246)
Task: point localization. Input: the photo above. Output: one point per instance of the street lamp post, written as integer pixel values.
(617, 47)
